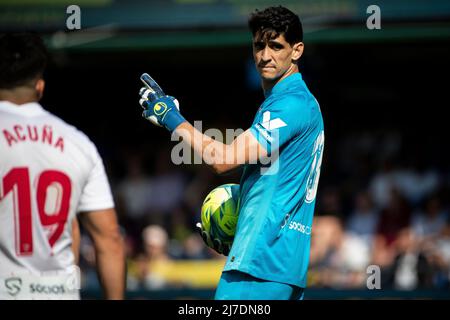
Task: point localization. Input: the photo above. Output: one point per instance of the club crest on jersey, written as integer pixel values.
(159, 108)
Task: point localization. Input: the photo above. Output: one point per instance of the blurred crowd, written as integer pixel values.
(388, 207)
(379, 203)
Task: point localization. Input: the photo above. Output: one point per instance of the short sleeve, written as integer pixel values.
(281, 121)
(96, 194)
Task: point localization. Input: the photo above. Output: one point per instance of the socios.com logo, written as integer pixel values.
(13, 285)
(159, 108)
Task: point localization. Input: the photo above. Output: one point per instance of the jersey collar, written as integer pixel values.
(27, 109)
(284, 84)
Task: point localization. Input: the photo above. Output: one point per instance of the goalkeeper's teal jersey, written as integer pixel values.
(277, 201)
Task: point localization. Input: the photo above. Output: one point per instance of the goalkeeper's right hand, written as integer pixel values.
(213, 243)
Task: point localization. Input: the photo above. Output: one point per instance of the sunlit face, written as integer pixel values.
(274, 57)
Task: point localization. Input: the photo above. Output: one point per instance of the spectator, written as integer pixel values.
(166, 190)
(337, 259)
(156, 256)
(363, 220)
(431, 222)
(441, 258)
(381, 184)
(133, 195)
(411, 269)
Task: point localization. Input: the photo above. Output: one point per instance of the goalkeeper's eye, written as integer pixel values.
(259, 45)
(277, 47)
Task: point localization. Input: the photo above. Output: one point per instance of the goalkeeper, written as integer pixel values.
(270, 253)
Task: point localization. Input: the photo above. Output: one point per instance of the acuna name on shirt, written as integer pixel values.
(33, 133)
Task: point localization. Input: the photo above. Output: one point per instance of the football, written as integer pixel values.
(219, 213)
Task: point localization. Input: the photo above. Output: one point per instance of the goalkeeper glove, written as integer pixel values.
(213, 243)
(160, 109)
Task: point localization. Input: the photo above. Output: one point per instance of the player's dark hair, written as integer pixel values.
(274, 21)
(23, 58)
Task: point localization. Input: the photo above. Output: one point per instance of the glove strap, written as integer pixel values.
(172, 119)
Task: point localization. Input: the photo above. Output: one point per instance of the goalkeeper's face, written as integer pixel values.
(274, 56)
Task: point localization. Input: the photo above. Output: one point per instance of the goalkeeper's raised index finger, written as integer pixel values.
(152, 85)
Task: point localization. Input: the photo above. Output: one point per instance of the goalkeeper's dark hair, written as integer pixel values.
(274, 21)
(23, 58)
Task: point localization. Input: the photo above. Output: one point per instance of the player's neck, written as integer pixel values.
(268, 85)
(19, 95)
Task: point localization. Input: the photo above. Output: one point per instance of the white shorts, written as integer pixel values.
(40, 287)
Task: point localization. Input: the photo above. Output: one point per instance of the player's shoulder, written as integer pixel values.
(290, 102)
(297, 107)
(69, 130)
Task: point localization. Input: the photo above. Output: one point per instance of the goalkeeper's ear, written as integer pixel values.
(297, 51)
